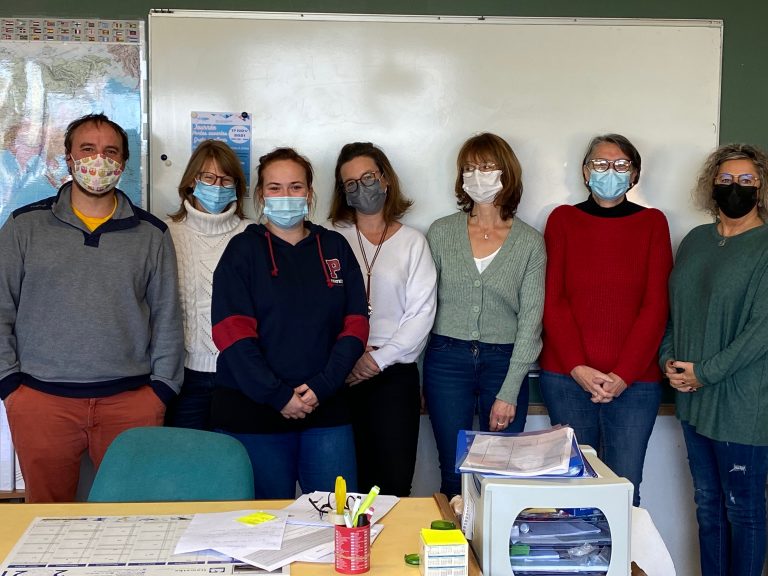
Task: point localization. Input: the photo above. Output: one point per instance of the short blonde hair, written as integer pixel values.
(702, 195)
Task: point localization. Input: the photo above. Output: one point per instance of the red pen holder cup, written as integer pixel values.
(352, 548)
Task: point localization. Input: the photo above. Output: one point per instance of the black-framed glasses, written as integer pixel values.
(469, 167)
(210, 178)
(601, 165)
(743, 179)
(368, 179)
(323, 507)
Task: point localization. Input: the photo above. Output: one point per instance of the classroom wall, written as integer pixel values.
(745, 68)
(667, 486)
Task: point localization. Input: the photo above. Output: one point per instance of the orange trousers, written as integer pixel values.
(51, 434)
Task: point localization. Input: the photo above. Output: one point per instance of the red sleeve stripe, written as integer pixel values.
(355, 325)
(232, 329)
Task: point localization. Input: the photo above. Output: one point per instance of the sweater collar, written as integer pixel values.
(624, 208)
(124, 213)
(211, 224)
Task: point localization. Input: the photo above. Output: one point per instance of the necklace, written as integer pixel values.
(369, 267)
(724, 238)
(485, 233)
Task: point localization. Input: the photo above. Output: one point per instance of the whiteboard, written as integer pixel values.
(420, 86)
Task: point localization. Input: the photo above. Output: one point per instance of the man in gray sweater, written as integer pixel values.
(91, 339)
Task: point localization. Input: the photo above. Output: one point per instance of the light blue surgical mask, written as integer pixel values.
(214, 198)
(285, 211)
(609, 185)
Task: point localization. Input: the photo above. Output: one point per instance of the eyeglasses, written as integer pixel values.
(601, 164)
(368, 179)
(743, 179)
(324, 508)
(483, 167)
(210, 178)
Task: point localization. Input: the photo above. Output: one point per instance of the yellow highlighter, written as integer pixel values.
(341, 494)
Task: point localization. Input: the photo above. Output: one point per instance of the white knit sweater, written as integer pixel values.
(200, 240)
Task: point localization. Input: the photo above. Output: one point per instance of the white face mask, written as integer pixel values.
(482, 187)
(96, 174)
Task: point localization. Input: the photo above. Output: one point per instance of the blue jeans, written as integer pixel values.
(313, 457)
(192, 407)
(729, 490)
(461, 377)
(618, 430)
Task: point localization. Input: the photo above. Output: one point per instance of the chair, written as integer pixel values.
(157, 464)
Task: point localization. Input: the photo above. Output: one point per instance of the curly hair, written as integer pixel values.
(491, 148)
(702, 195)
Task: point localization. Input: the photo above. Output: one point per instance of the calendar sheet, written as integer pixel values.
(114, 546)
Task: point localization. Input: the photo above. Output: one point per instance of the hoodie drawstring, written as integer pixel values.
(271, 253)
(322, 262)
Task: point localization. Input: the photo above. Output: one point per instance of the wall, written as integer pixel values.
(745, 68)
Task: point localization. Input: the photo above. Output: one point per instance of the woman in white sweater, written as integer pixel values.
(212, 190)
(400, 281)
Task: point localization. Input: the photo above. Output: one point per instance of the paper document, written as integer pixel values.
(549, 528)
(223, 530)
(521, 455)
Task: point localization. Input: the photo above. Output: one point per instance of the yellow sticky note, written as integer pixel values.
(442, 537)
(256, 518)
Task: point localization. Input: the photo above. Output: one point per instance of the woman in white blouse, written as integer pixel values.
(400, 281)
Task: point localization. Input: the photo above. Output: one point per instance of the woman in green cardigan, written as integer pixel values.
(490, 296)
(715, 354)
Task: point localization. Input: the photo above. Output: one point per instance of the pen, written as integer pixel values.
(366, 504)
(355, 508)
(347, 519)
(341, 494)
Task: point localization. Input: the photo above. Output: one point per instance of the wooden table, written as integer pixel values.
(399, 537)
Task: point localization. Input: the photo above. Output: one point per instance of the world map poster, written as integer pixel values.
(45, 84)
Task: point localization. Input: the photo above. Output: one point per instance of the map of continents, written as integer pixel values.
(43, 87)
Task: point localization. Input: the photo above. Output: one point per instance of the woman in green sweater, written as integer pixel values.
(715, 354)
(490, 298)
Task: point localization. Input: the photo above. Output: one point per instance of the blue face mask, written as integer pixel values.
(609, 185)
(285, 211)
(214, 198)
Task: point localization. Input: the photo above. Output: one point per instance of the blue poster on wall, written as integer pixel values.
(234, 129)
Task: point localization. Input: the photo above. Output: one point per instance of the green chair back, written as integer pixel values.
(158, 464)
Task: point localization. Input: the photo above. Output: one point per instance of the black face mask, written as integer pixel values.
(735, 200)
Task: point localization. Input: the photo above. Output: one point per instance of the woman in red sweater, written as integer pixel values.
(605, 310)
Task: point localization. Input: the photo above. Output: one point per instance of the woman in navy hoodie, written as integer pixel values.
(290, 320)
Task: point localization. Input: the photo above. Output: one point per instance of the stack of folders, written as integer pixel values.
(551, 453)
(563, 541)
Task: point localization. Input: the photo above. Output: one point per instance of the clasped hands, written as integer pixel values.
(364, 368)
(603, 387)
(681, 376)
(303, 402)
